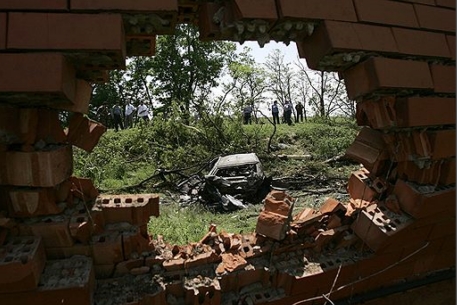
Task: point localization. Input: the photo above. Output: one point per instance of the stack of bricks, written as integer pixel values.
(397, 59)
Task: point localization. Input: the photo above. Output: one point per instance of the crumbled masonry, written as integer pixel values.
(61, 242)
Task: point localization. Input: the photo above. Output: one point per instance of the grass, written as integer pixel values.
(128, 157)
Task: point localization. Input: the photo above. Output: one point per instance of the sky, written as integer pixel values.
(260, 54)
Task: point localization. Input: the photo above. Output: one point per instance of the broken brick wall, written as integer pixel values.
(397, 59)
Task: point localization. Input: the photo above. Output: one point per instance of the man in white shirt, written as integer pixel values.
(143, 112)
(129, 109)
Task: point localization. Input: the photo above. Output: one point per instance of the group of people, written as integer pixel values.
(287, 113)
(125, 118)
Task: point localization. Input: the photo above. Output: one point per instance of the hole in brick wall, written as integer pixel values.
(397, 221)
(388, 228)
(379, 185)
(24, 259)
(371, 213)
(128, 200)
(8, 259)
(49, 220)
(105, 201)
(80, 220)
(26, 249)
(384, 217)
(140, 199)
(258, 296)
(267, 295)
(246, 249)
(102, 239)
(117, 200)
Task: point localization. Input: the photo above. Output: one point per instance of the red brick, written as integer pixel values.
(33, 5)
(141, 45)
(443, 78)
(416, 202)
(31, 202)
(82, 98)
(411, 42)
(333, 37)
(443, 229)
(376, 225)
(18, 125)
(448, 174)
(272, 225)
(67, 252)
(69, 32)
(256, 9)
(80, 228)
(49, 128)
(53, 230)
(369, 149)
(317, 9)
(446, 3)
(43, 78)
(84, 132)
(133, 242)
(442, 143)
(3, 19)
(116, 5)
(425, 111)
(451, 43)
(37, 169)
(359, 187)
(378, 74)
(435, 18)
(22, 259)
(83, 188)
(70, 281)
(386, 12)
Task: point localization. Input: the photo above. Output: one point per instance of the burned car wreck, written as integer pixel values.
(232, 182)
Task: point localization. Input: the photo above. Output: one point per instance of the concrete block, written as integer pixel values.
(22, 260)
(36, 169)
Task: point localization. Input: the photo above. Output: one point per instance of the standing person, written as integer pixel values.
(247, 112)
(129, 109)
(116, 114)
(143, 112)
(299, 108)
(288, 112)
(275, 112)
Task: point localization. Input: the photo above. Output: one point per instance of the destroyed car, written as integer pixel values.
(239, 174)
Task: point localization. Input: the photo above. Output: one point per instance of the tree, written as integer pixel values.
(184, 68)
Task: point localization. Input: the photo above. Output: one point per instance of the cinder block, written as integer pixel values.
(84, 132)
(315, 9)
(443, 78)
(272, 225)
(376, 225)
(421, 201)
(382, 74)
(435, 18)
(36, 169)
(436, 171)
(31, 202)
(133, 209)
(81, 228)
(133, 243)
(22, 260)
(50, 5)
(411, 42)
(141, 45)
(83, 188)
(53, 230)
(3, 18)
(100, 36)
(386, 12)
(37, 78)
